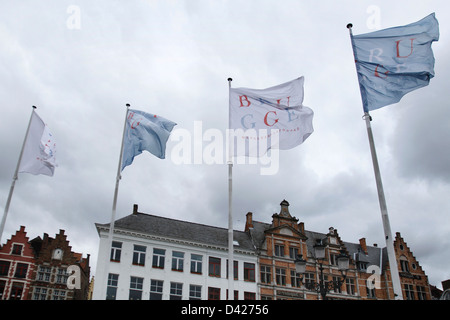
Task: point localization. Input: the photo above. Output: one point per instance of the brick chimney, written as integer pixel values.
(362, 243)
(301, 227)
(248, 221)
(135, 209)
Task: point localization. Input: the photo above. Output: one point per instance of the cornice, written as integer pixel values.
(172, 240)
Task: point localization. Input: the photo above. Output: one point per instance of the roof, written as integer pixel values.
(181, 230)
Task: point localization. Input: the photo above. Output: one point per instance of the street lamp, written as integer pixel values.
(323, 287)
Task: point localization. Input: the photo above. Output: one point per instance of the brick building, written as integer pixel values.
(37, 269)
(369, 277)
(17, 263)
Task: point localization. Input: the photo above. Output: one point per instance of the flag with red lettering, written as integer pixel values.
(271, 118)
(392, 62)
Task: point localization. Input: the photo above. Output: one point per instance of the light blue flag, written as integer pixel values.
(394, 61)
(145, 131)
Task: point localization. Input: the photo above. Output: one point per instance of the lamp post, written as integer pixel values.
(323, 287)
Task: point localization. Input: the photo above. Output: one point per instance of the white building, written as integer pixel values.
(158, 258)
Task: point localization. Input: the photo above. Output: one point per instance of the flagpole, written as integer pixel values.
(15, 177)
(230, 211)
(382, 200)
(116, 191)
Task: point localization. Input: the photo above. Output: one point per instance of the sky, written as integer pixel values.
(80, 63)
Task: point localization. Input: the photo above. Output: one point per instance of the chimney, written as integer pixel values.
(249, 221)
(362, 243)
(301, 227)
(135, 209)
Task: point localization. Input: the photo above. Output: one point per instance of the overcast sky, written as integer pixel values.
(80, 62)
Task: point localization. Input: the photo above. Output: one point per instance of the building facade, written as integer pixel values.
(156, 258)
(368, 277)
(17, 264)
(38, 269)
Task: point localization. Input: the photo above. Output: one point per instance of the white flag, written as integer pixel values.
(39, 151)
(261, 119)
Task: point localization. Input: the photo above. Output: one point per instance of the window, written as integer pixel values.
(139, 255)
(249, 271)
(333, 259)
(280, 276)
(409, 292)
(176, 290)
(196, 263)
(58, 294)
(350, 284)
(195, 292)
(279, 250)
(362, 266)
(371, 292)
(214, 267)
(158, 258)
(136, 285)
(4, 268)
(337, 289)
(21, 270)
(177, 261)
(116, 249)
(16, 291)
(156, 289)
(44, 273)
(213, 293)
(421, 294)
(249, 296)
(404, 264)
(293, 253)
(111, 289)
(309, 280)
(296, 279)
(17, 249)
(2, 288)
(40, 293)
(62, 276)
(266, 276)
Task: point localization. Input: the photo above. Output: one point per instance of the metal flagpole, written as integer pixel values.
(113, 214)
(230, 211)
(15, 177)
(382, 200)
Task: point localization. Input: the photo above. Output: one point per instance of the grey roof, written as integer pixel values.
(181, 230)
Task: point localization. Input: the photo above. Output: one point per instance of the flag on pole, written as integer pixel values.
(39, 150)
(262, 119)
(392, 62)
(145, 131)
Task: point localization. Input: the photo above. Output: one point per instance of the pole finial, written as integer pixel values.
(229, 79)
(349, 26)
(34, 107)
(128, 105)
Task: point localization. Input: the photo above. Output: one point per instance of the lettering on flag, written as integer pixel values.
(394, 61)
(272, 118)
